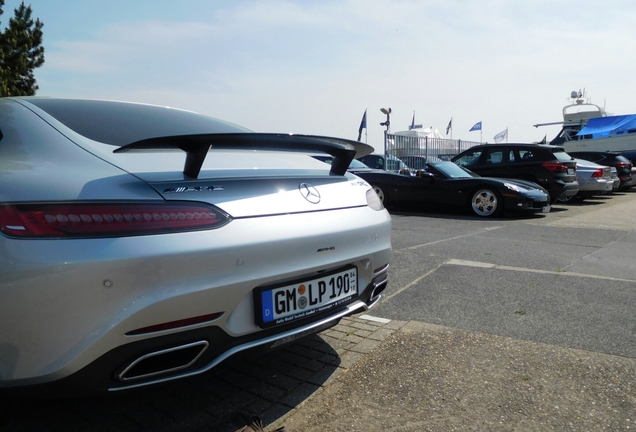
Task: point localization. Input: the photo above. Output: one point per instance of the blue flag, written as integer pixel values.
(412, 122)
(476, 127)
(450, 126)
(363, 124)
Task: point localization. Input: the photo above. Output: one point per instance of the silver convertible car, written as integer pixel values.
(140, 244)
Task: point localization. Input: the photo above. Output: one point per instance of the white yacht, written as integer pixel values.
(587, 127)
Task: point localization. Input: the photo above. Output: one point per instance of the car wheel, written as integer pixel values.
(380, 192)
(486, 203)
(565, 199)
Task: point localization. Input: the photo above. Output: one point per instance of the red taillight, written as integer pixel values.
(555, 166)
(107, 219)
(597, 174)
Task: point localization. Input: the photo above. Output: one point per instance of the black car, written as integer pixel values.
(444, 182)
(547, 165)
(612, 159)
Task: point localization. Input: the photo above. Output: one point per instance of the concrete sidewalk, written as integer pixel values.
(412, 376)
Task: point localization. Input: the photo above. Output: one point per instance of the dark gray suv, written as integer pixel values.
(547, 165)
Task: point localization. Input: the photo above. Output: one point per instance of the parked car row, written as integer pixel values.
(546, 168)
(568, 176)
(446, 183)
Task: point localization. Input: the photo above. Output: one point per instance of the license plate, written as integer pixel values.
(282, 304)
(570, 171)
(545, 209)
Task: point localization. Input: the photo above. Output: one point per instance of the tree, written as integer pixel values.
(21, 51)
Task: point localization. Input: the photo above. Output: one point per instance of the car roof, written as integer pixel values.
(533, 145)
(606, 153)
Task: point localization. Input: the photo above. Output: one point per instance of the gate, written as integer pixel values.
(400, 146)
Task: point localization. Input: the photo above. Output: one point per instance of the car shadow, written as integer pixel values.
(455, 212)
(265, 385)
(591, 201)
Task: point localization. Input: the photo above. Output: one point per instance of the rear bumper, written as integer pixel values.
(166, 358)
(595, 187)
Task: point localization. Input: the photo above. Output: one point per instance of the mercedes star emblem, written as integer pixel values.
(309, 192)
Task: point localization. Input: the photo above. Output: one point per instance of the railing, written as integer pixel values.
(400, 145)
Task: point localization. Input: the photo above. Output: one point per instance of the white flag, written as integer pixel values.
(501, 136)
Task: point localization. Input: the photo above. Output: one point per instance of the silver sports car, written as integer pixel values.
(140, 244)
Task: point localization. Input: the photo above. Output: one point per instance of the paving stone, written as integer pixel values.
(268, 391)
(349, 358)
(325, 376)
(329, 359)
(294, 359)
(300, 394)
(395, 325)
(354, 338)
(315, 365)
(311, 342)
(258, 407)
(366, 346)
(241, 380)
(300, 373)
(365, 326)
(381, 334)
(301, 350)
(330, 332)
(273, 413)
(284, 381)
(363, 333)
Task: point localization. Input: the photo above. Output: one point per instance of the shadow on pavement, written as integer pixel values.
(267, 386)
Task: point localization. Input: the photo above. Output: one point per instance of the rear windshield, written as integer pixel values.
(121, 123)
(623, 159)
(562, 156)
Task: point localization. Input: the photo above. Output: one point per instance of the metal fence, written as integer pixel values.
(400, 146)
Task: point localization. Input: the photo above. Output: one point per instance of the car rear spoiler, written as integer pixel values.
(197, 147)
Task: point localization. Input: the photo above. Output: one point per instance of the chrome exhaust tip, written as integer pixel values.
(163, 362)
(377, 289)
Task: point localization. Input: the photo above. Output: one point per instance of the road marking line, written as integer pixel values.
(407, 286)
(528, 270)
(452, 238)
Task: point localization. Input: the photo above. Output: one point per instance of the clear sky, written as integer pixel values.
(314, 66)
